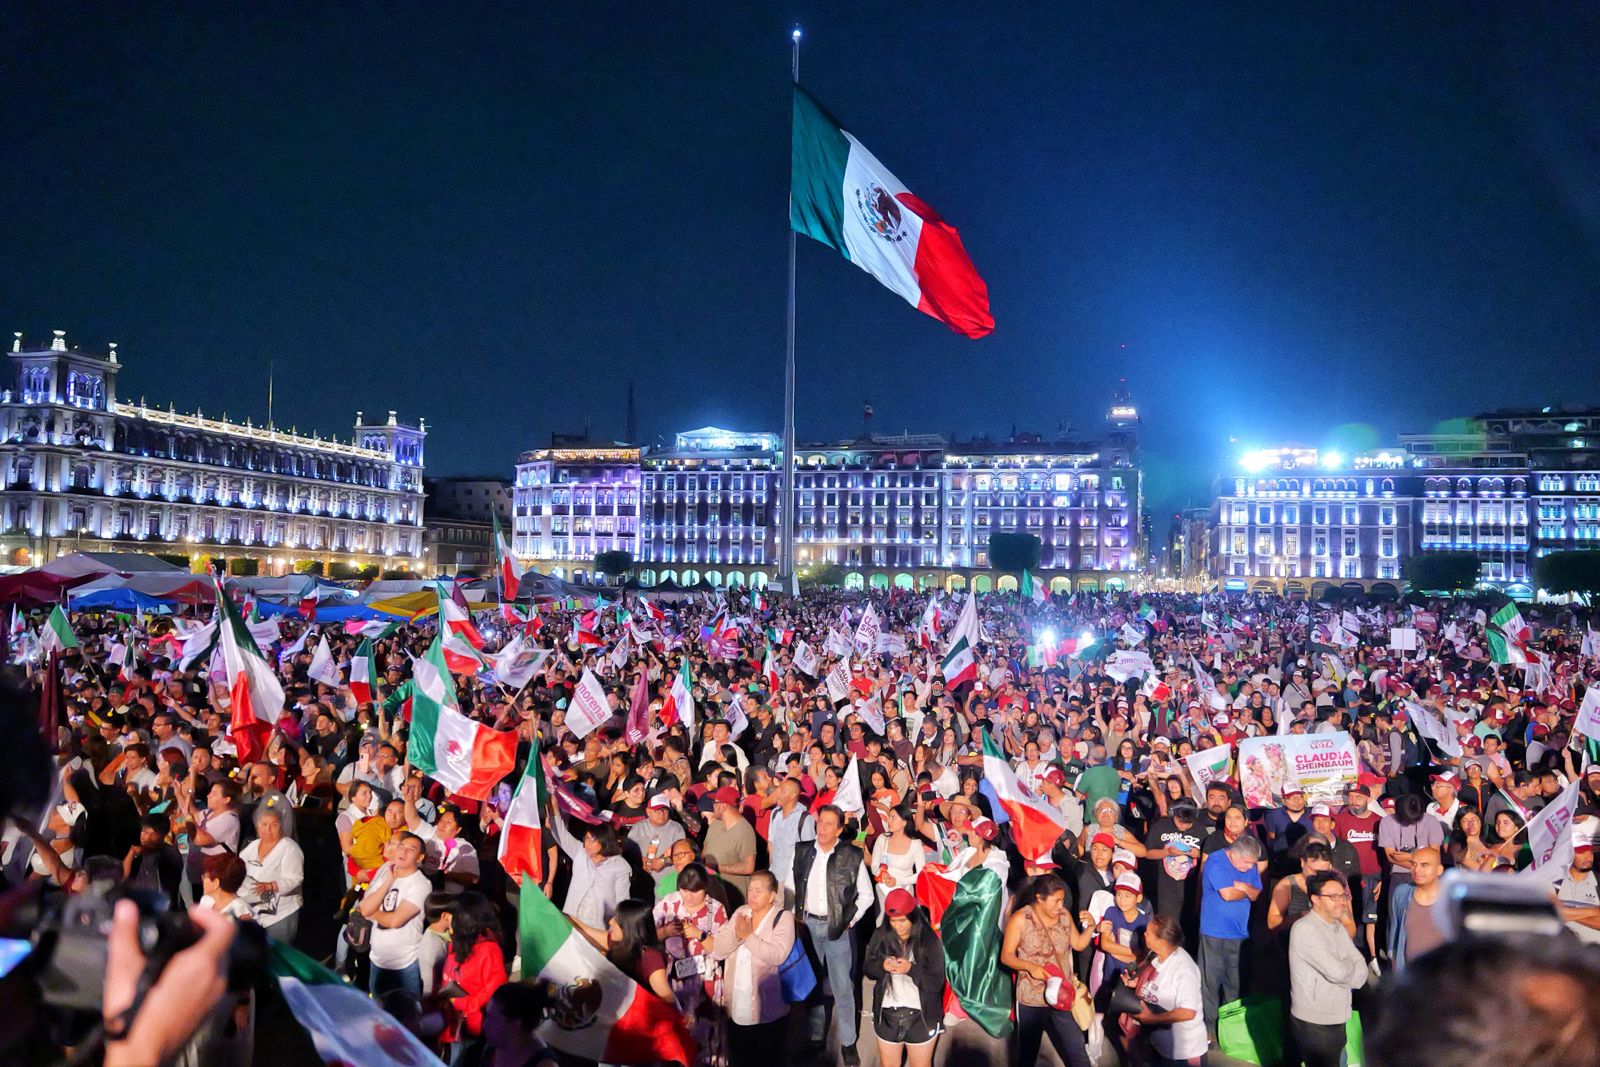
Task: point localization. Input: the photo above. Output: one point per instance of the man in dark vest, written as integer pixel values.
(831, 893)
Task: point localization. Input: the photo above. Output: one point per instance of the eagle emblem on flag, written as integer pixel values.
(880, 213)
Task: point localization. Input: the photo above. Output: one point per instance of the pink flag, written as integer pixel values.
(638, 727)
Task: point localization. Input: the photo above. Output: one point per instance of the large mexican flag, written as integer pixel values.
(608, 1018)
(841, 195)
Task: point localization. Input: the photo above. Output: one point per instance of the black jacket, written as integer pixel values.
(843, 864)
(927, 969)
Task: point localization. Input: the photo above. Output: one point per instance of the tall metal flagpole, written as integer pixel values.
(786, 563)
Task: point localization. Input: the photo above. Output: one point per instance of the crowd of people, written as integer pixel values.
(767, 855)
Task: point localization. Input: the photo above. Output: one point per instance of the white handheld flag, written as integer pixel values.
(805, 659)
(589, 708)
(322, 668)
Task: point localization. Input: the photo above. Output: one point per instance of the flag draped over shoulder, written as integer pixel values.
(841, 195)
(970, 933)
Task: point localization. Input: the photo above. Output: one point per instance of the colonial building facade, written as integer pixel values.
(908, 509)
(1508, 487)
(574, 500)
(83, 470)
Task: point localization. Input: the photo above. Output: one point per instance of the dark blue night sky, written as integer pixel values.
(1272, 222)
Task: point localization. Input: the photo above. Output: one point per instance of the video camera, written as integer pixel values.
(61, 947)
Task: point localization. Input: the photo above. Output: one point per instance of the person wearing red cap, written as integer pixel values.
(731, 841)
(1446, 803)
(906, 961)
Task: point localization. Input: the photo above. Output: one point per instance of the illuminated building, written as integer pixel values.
(904, 509)
(85, 471)
(574, 500)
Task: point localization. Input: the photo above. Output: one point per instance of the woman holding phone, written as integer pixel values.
(906, 961)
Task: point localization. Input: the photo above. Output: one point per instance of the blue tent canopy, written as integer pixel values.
(325, 612)
(119, 600)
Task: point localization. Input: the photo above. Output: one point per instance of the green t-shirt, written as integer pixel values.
(1096, 784)
(668, 883)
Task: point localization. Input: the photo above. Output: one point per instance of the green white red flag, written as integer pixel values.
(506, 563)
(1035, 826)
(364, 673)
(521, 850)
(1033, 589)
(57, 635)
(255, 697)
(345, 1026)
(959, 664)
(679, 705)
(461, 754)
(841, 195)
(605, 1016)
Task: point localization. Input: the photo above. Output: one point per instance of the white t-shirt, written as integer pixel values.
(1176, 984)
(396, 949)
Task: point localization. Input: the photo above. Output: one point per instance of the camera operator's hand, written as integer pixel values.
(189, 987)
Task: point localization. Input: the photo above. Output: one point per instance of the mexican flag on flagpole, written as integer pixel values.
(126, 659)
(364, 673)
(613, 1020)
(461, 754)
(254, 693)
(521, 850)
(1032, 588)
(959, 665)
(969, 930)
(57, 635)
(841, 195)
(1035, 826)
(679, 706)
(344, 1024)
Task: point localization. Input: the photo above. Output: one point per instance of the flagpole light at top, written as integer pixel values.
(786, 500)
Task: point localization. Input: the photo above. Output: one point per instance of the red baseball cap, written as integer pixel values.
(1055, 776)
(726, 795)
(1105, 839)
(899, 903)
(985, 828)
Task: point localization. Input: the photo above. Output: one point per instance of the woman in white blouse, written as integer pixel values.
(896, 855)
(600, 874)
(274, 884)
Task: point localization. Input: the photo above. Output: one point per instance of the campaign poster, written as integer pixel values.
(1320, 764)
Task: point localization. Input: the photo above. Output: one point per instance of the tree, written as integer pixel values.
(244, 567)
(1577, 573)
(1015, 552)
(823, 576)
(309, 566)
(614, 563)
(1442, 572)
(400, 573)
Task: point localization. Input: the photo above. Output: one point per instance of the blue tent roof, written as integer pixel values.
(119, 600)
